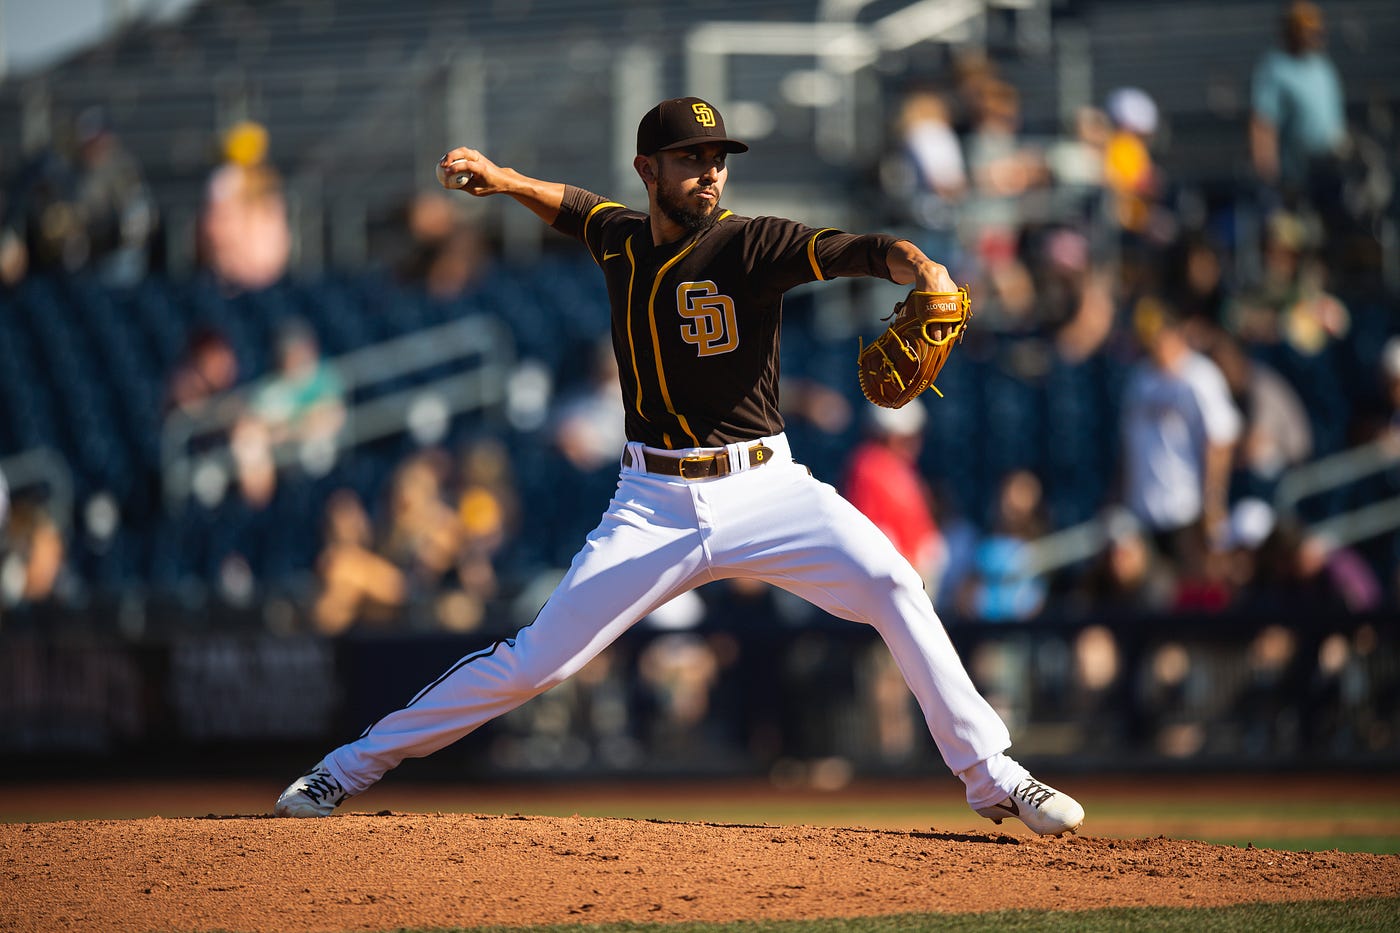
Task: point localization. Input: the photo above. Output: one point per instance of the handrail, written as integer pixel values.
(480, 337)
(1360, 524)
(1071, 545)
(1328, 473)
(1078, 542)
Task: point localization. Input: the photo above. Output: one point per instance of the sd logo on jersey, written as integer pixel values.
(711, 323)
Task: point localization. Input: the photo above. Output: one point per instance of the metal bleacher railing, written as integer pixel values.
(1342, 469)
(479, 350)
(1080, 542)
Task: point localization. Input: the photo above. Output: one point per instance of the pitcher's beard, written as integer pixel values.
(690, 219)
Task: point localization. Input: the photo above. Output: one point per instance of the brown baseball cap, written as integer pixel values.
(681, 122)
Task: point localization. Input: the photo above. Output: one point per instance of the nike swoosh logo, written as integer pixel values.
(1013, 809)
(607, 256)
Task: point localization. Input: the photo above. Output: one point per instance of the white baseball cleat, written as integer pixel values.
(1045, 810)
(315, 793)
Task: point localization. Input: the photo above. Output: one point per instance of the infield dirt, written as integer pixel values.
(386, 870)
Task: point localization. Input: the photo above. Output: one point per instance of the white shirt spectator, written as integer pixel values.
(937, 153)
(1170, 419)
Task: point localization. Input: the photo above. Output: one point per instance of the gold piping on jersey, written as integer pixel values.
(596, 209)
(632, 344)
(656, 344)
(812, 251)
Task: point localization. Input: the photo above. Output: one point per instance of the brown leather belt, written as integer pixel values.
(705, 466)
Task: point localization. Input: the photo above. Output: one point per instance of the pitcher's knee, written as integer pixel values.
(506, 674)
(900, 579)
(892, 591)
(534, 678)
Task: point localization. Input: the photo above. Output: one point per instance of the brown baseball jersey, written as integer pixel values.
(695, 323)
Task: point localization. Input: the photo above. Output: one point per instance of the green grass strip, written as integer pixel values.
(1379, 915)
(1375, 845)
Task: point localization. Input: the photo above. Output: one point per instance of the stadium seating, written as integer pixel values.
(83, 366)
(82, 369)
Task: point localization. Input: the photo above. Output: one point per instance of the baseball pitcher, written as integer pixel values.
(708, 488)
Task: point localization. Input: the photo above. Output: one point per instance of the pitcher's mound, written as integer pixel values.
(390, 870)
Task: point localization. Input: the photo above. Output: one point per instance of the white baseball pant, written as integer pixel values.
(662, 536)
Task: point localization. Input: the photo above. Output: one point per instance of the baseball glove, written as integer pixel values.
(906, 358)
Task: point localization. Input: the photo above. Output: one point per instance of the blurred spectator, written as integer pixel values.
(893, 713)
(1252, 521)
(1002, 586)
(678, 672)
(971, 70)
(426, 540)
(883, 481)
(816, 403)
(488, 509)
(1006, 289)
(1002, 168)
(14, 252)
(927, 178)
(357, 586)
(932, 146)
(960, 538)
(1202, 565)
(1179, 431)
(1195, 280)
(1298, 125)
(1129, 575)
(244, 236)
(1390, 388)
(1075, 297)
(1277, 433)
(1291, 303)
(588, 424)
(80, 202)
(446, 253)
(1377, 417)
(41, 230)
(115, 207)
(301, 404)
(32, 554)
(1076, 164)
(207, 369)
(1130, 172)
(1306, 571)
(14, 257)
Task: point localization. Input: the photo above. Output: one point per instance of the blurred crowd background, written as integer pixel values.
(285, 425)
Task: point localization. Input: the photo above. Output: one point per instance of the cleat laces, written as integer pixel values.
(319, 786)
(1034, 793)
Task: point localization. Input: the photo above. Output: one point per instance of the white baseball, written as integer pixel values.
(459, 179)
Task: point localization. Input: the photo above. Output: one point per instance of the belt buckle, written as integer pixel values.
(703, 458)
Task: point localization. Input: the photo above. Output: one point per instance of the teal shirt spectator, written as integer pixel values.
(1006, 590)
(1301, 96)
(289, 399)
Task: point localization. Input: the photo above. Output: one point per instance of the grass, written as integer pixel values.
(1376, 845)
(1379, 915)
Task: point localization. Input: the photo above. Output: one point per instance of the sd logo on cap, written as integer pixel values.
(681, 122)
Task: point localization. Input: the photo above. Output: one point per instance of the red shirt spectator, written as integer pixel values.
(883, 481)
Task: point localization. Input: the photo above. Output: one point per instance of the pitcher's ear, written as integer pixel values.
(645, 168)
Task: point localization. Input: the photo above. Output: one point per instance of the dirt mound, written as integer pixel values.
(388, 870)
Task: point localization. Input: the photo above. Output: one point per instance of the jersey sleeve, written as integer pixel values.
(585, 216)
(786, 254)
